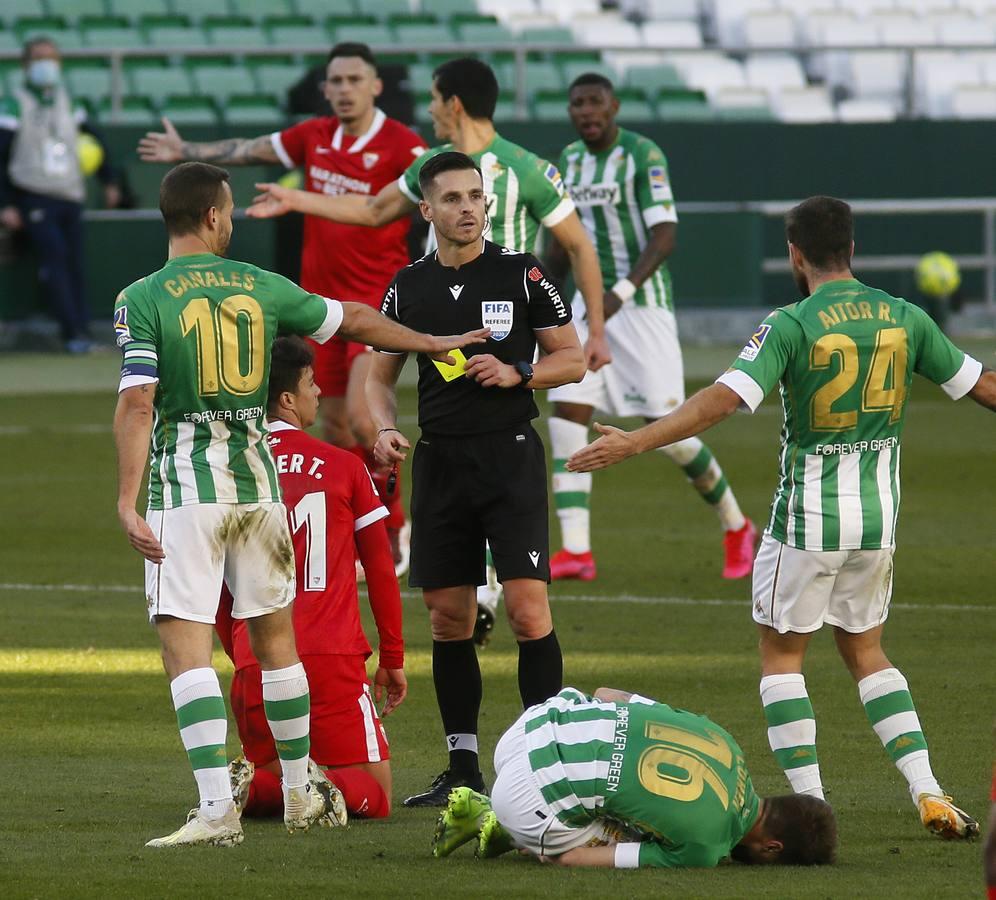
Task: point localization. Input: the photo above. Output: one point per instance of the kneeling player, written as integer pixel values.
(334, 515)
(617, 780)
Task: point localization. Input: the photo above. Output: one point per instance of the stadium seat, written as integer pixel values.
(774, 28)
(976, 102)
(444, 9)
(691, 106)
(650, 79)
(223, 81)
(65, 38)
(937, 77)
(599, 31)
(298, 36)
(773, 72)
(236, 37)
(196, 10)
(568, 10)
(253, 109)
(740, 98)
(922, 7)
(636, 109)
(136, 111)
(136, 9)
(157, 83)
(728, 17)
(424, 35)
(176, 38)
(374, 35)
(257, 10)
(898, 33)
(9, 42)
(509, 10)
(420, 76)
(877, 74)
(484, 33)
(965, 32)
(550, 106)
(112, 36)
(275, 78)
(546, 34)
(320, 10)
(74, 10)
(660, 9)
(190, 110)
(544, 76)
(813, 27)
(671, 35)
(833, 65)
(89, 82)
(713, 75)
(865, 109)
(12, 10)
(803, 105)
(575, 68)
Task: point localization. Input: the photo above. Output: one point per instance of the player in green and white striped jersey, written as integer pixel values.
(843, 359)
(618, 780)
(619, 181)
(196, 339)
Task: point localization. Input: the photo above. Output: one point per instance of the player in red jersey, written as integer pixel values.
(335, 515)
(358, 150)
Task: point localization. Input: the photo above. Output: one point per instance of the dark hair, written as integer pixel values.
(823, 230)
(187, 193)
(450, 161)
(36, 41)
(352, 48)
(592, 78)
(806, 827)
(472, 81)
(289, 357)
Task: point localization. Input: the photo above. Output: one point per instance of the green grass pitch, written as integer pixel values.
(93, 767)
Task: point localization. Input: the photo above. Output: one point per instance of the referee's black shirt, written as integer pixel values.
(501, 289)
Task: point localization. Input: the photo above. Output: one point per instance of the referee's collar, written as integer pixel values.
(484, 249)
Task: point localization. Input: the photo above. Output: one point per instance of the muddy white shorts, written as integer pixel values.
(245, 545)
(646, 376)
(800, 590)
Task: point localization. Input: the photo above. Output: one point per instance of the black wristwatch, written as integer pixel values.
(526, 371)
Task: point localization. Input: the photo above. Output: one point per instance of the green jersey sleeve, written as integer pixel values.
(136, 332)
(299, 312)
(763, 360)
(939, 360)
(653, 185)
(408, 180)
(544, 194)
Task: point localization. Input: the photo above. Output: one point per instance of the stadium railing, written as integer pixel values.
(520, 52)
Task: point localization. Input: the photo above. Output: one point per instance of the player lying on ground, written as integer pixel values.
(196, 339)
(619, 182)
(844, 359)
(617, 780)
(335, 516)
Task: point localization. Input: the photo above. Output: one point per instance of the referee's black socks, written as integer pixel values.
(541, 669)
(456, 675)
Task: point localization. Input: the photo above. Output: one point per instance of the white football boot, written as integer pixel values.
(223, 832)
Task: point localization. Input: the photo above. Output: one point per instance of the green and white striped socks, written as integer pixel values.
(889, 706)
(792, 731)
(702, 470)
(200, 713)
(287, 705)
(571, 490)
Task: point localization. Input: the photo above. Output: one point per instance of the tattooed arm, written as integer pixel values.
(169, 147)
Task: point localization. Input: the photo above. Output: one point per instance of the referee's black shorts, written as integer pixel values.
(471, 489)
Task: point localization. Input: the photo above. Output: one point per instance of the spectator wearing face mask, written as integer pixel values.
(42, 186)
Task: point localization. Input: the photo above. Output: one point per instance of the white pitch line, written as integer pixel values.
(137, 589)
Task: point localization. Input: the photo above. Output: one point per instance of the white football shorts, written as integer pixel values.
(646, 376)
(801, 590)
(524, 813)
(244, 545)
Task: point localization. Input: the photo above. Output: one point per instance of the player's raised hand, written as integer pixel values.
(393, 684)
(140, 536)
(489, 371)
(391, 447)
(271, 201)
(613, 446)
(441, 346)
(597, 353)
(161, 146)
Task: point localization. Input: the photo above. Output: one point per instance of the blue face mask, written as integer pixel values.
(43, 73)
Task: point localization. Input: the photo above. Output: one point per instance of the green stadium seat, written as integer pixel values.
(505, 110)
(237, 37)
(320, 10)
(257, 10)
(12, 10)
(574, 68)
(298, 36)
(484, 33)
(276, 78)
(196, 10)
(174, 38)
(113, 36)
(188, 109)
(636, 111)
(138, 9)
(374, 35)
(422, 100)
(216, 80)
(9, 42)
(385, 9)
(651, 79)
(550, 106)
(89, 82)
(158, 83)
(424, 35)
(137, 111)
(745, 114)
(74, 10)
(420, 76)
(35, 24)
(684, 106)
(552, 34)
(543, 76)
(65, 38)
(253, 109)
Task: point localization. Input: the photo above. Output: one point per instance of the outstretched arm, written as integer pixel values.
(363, 324)
(984, 392)
(699, 412)
(168, 147)
(350, 209)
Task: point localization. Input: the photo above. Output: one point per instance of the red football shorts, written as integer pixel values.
(333, 360)
(345, 728)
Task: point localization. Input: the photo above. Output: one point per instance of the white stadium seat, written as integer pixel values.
(803, 105)
(772, 73)
(660, 9)
(803, 8)
(568, 10)
(922, 7)
(965, 32)
(977, 102)
(877, 74)
(811, 28)
(864, 109)
(508, 9)
(739, 98)
(900, 32)
(729, 18)
(671, 34)
(712, 75)
(602, 31)
(769, 29)
(937, 76)
(833, 65)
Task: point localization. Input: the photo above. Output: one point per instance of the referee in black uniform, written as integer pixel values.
(479, 469)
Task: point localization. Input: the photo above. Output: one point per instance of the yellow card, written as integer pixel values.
(450, 373)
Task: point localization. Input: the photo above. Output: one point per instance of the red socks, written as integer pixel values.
(365, 798)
